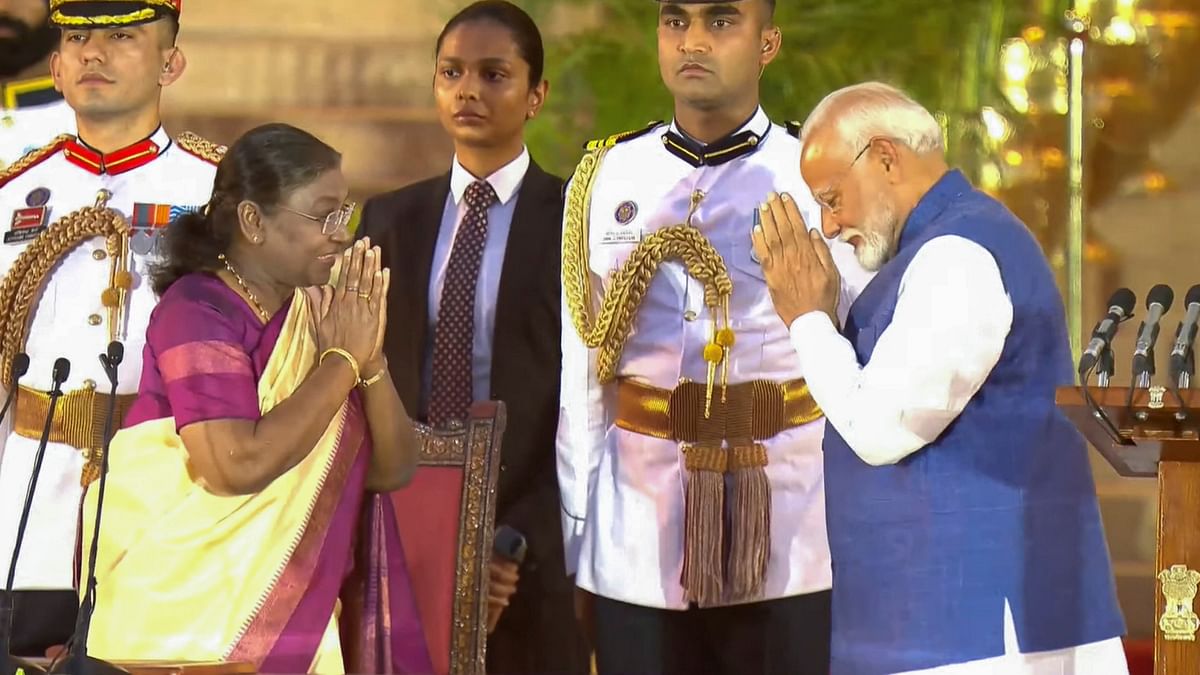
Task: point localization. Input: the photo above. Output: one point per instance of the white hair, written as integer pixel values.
(870, 110)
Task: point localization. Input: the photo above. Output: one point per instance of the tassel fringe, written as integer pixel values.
(704, 496)
(751, 527)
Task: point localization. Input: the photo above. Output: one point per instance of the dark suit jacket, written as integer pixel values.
(526, 354)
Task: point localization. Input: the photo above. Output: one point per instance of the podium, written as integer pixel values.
(1153, 437)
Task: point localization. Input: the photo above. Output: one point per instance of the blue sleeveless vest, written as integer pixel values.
(1001, 506)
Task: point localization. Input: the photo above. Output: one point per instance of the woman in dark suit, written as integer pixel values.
(475, 300)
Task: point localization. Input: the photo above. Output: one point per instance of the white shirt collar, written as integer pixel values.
(161, 138)
(505, 181)
(758, 123)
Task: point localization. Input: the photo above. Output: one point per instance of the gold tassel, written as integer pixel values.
(91, 468)
(123, 282)
(751, 523)
(713, 356)
(703, 547)
(725, 340)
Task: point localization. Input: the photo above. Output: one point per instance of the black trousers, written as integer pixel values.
(42, 619)
(789, 636)
(538, 635)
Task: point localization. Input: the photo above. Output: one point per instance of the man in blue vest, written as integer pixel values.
(963, 522)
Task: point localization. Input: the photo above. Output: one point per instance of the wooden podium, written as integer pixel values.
(1149, 436)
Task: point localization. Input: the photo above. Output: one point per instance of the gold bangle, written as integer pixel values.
(344, 354)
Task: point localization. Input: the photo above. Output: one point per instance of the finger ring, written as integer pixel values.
(364, 296)
(352, 289)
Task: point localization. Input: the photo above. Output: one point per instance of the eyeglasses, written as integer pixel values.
(333, 223)
(823, 201)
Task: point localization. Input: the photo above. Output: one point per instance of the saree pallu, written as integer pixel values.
(270, 578)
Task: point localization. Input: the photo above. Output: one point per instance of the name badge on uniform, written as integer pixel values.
(149, 221)
(623, 232)
(29, 222)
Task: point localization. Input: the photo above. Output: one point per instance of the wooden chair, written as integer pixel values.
(447, 518)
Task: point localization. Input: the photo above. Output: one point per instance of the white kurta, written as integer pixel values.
(623, 493)
(951, 321)
(63, 326)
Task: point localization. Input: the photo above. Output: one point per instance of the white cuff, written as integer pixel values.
(808, 333)
(572, 541)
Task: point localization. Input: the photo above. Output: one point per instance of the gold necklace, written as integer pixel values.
(246, 289)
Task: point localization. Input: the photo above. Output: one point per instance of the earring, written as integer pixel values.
(529, 115)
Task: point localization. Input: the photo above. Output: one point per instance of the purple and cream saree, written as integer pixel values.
(307, 575)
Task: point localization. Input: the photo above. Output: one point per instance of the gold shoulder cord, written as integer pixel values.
(201, 147)
(23, 284)
(32, 157)
(609, 330)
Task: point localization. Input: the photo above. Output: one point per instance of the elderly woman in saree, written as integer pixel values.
(242, 518)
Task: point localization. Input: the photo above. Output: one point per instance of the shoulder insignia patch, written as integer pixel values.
(201, 147)
(794, 127)
(32, 159)
(621, 137)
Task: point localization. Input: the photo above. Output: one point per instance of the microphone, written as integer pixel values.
(112, 358)
(1182, 364)
(1120, 309)
(62, 370)
(78, 662)
(510, 544)
(1158, 301)
(20, 366)
(60, 373)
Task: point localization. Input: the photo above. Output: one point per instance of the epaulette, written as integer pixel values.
(621, 137)
(794, 127)
(32, 159)
(201, 147)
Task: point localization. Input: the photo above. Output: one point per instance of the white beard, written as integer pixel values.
(875, 249)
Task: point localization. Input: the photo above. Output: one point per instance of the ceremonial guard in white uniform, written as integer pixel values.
(82, 229)
(689, 447)
(34, 114)
(33, 111)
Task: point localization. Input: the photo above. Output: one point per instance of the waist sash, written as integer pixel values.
(720, 437)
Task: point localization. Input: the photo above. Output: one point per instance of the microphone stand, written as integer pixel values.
(1144, 376)
(9, 665)
(78, 662)
(1105, 367)
(1181, 372)
(1143, 367)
